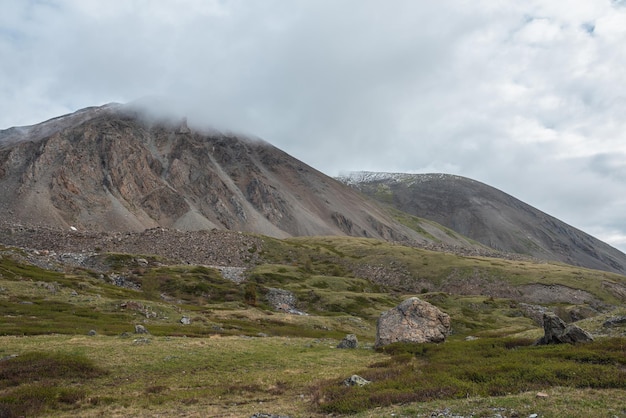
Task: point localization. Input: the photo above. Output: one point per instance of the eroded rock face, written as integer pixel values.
(557, 332)
(414, 320)
(116, 168)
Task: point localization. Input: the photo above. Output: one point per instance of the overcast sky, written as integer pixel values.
(526, 96)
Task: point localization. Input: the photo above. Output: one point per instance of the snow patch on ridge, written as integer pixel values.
(354, 178)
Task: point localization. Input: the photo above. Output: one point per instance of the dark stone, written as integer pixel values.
(557, 332)
(616, 321)
(349, 341)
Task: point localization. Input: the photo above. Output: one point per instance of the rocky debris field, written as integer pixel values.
(215, 247)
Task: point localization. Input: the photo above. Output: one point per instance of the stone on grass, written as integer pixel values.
(355, 380)
(413, 321)
(349, 341)
(140, 329)
(557, 332)
(615, 321)
(92, 333)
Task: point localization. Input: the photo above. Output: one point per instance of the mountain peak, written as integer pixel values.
(114, 168)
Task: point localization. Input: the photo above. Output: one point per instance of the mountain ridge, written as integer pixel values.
(118, 168)
(488, 215)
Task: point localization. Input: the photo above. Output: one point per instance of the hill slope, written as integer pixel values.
(114, 168)
(488, 216)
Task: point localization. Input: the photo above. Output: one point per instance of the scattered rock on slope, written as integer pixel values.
(283, 300)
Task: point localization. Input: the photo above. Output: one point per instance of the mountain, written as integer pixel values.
(119, 168)
(488, 216)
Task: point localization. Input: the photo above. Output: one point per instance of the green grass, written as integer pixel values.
(561, 402)
(35, 382)
(169, 376)
(434, 270)
(218, 365)
(481, 368)
(237, 376)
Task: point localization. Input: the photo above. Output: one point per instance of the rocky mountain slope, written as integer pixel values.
(489, 216)
(117, 168)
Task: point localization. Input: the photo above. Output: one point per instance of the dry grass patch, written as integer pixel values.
(220, 376)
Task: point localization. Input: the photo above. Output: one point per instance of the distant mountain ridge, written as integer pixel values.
(488, 216)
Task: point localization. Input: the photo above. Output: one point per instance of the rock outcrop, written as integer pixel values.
(283, 300)
(414, 320)
(615, 321)
(557, 332)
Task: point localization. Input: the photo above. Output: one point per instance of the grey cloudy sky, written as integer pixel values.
(526, 96)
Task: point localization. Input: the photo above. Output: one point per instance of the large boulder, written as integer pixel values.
(557, 332)
(414, 320)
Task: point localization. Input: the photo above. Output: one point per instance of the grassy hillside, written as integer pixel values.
(239, 355)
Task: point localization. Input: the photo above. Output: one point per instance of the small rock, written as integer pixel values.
(92, 333)
(542, 395)
(141, 341)
(349, 341)
(355, 380)
(142, 261)
(140, 329)
(533, 415)
(185, 320)
(614, 322)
